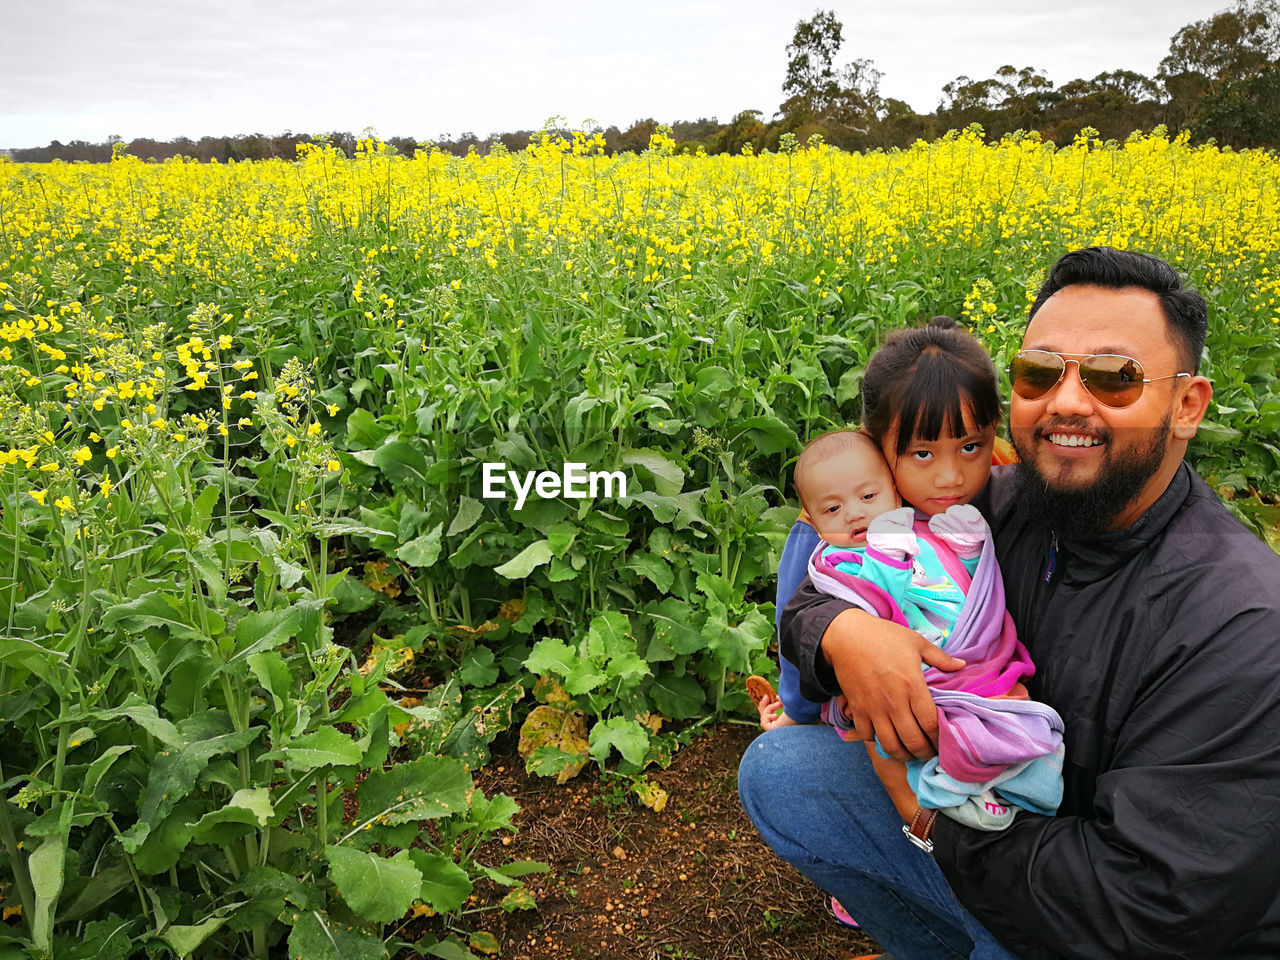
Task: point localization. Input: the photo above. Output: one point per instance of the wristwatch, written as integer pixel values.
(920, 830)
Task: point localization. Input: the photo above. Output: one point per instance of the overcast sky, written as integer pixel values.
(87, 69)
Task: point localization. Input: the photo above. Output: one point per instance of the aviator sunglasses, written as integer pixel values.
(1112, 379)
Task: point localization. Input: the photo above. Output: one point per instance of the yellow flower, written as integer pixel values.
(105, 487)
(38, 495)
(64, 504)
(82, 455)
(111, 453)
(313, 430)
(291, 440)
(224, 342)
(334, 466)
(332, 409)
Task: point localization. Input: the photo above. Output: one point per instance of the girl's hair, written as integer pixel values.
(924, 377)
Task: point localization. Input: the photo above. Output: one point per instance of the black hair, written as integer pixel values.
(924, 377)
(1185, 313)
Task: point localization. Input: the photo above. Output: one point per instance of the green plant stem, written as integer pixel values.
(137, 880)
(21, 873)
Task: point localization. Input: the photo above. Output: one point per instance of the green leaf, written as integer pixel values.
(423, 551)
(681, 511)
(668, 477)
(768, 435)
(324, 746)
(265, 630)
(445, 885)
(184, 939)
(657, 570)
(422, 789)
(248, 809)
(349, 595)
(152, 610)
(1211, 432)
(733, 646)
(377, 888)
(167, 839)
(628, 668)
(99, 767)
(850, 385)
(316, 936)
(584, 676)
(521, 565)
(676, 625)
(273, 673)
(551, 656)
(677, 697)
(609, 636)
(495, 813)
(447, 950)
(626, 736)
(469, 511)
(478, 669)
(147, 717)
(46, 868)
(518, 899)
(401, 462)
(560, 537)
(173, 774)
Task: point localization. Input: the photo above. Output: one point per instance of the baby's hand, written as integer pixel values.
(962, 529)
(892, 534)
(772, 715)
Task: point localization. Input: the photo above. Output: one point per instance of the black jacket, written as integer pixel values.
(1160, 647)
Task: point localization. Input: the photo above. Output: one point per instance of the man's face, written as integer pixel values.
(1086, 453)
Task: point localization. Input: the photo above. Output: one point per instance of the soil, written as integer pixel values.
(693, 881)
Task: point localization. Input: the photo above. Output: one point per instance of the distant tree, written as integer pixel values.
(635, 138)
(745, 129)
(900, 126)
(1226, 48)
(1244, 112)
(1114, 103)
(812, 82)
(845, 100)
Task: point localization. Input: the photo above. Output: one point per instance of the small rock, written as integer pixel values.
(619, 853)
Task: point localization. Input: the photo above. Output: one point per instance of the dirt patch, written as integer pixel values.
(693, 881)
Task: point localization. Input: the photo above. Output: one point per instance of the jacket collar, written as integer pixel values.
(1092, 558)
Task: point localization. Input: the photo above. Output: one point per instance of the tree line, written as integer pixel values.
(1220, 81)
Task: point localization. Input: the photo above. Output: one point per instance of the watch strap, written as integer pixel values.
(920, 830)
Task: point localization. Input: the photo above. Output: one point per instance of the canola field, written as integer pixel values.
(261, 620)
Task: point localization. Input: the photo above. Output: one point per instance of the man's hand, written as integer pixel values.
(877, 664)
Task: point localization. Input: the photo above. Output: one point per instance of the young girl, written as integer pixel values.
(931, 405)
(918, 386)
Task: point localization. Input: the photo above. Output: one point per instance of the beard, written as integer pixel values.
(1077, 512)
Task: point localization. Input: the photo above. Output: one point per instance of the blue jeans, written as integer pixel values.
(817, 802)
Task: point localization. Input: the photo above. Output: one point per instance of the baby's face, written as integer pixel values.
(844, 493)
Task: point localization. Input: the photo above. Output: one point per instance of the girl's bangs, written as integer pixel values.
(934, 400)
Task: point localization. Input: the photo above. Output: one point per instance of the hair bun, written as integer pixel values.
(943, 323)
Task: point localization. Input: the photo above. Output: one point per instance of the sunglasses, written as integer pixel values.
(1110, 378)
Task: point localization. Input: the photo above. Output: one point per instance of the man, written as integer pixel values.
(1153, 619)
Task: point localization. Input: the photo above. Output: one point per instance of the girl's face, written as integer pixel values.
(932, 475)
